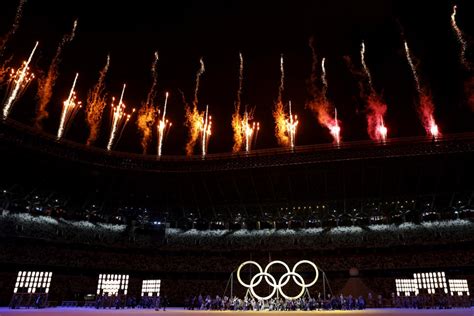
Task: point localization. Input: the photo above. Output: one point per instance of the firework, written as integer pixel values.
(469, 83)
(46, 84)
(16, 24)
(249, 130)
(382, 131)
(152, 93)
(335, 129)
(145, 120)
(366, 69)
(425, 102)
(460, 38)
(279, 114)
(376, 108)
(319, 103)
(4, 73)
(148, 112)
(70, 107)
(237, 126)
(239, 130)
(206, 128)
(18, 82)
(412, 67)
(198, 82)
(194, 119)
(163, 127)
(324, 108)
(119, 120)
(291, 123)
(96, 104)
(245, 131)
(426, 110)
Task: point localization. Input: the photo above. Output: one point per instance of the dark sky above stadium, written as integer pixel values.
(183, 31)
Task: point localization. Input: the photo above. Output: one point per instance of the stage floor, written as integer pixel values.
(180, 311)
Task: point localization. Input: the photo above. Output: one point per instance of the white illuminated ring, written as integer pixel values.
(315, 269)
(283, 264)
(274, 285)
(284, 279)
(259, 269)
(280, 285)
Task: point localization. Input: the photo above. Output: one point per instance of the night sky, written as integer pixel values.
(183, 31)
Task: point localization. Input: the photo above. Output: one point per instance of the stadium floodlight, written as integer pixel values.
(32, 282)
(149, 287)
(458, 286)
(112, 284)
(432, 281)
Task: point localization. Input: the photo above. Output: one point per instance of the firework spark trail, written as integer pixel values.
(256, 129)
(194, 119)
(16, 24)
(246, 130)
(324, 108)
(292, 123)
(376, 108)
(198, 81)
(413, 69)
(206, 131)
(119, 119)
(469, 83)
(425, 102)
(96, 104)
(281, 88)
(152, 93)
(313, 89)
(366, 69)
(146, 119)
(426, 111)
(241, 78)
(335, 129)
(237, 126)
(249, 129)
(18, 83)
(319, 103)
(46, 84)
(163, 127)
(148, 112)
(281, 128)
(460, 38)
(70, 107)
(324, 79)
(4, 73)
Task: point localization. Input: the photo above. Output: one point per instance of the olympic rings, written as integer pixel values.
(280, 286)
(278, 262)
(275, 286)
(284, 279)
(315, 269)
(242, 265)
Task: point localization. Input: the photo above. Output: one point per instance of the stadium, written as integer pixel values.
(336, 210)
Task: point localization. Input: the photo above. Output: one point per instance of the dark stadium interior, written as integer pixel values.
(361, 184)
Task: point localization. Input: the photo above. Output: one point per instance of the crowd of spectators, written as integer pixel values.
(56, 256)
(122, 236)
